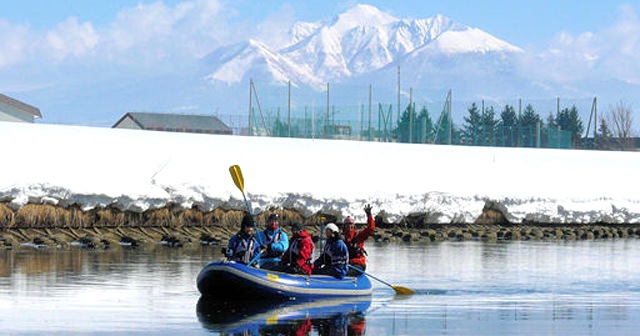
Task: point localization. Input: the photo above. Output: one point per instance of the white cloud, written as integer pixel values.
(274, 30)
(144, 34)
(157, 31)
(72, 39)
(610, 53)
(14, 42)
(621, 46)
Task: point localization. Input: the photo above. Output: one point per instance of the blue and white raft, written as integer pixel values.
(230, 280)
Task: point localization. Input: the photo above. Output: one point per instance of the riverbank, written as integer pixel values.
(41, 225)
(178, 237)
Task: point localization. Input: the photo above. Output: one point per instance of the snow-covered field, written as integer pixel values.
(139, 170)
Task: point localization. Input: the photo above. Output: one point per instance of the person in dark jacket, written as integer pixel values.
(355, 241)
(274, 242)
(243, 246)
(297, 258)
(335, 256)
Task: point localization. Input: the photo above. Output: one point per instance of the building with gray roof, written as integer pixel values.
(173, 123)
(17, 111)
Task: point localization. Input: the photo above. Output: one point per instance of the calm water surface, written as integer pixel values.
(464, 288)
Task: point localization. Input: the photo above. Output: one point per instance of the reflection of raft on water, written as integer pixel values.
(233, 281)
(284, 316)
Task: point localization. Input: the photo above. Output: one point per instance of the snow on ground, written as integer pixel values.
(139, 170)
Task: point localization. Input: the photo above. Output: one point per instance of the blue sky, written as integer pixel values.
(82, 43)
(519, 22)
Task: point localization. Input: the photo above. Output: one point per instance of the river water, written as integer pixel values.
(463, 288)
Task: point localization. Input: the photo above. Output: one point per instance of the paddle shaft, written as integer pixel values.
(255, 258)
(321, 234)
(371, 276)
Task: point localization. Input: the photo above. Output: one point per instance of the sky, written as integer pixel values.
(138, 170)
(519, 22)
(56, 55)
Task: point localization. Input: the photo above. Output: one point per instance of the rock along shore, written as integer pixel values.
(41, 225)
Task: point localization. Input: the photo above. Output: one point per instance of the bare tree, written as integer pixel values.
(620, 121)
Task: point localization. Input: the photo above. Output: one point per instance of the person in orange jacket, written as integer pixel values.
(355, 241)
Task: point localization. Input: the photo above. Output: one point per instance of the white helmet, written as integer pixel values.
(332, 227)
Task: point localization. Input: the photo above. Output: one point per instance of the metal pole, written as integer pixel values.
(328, 110)
(450, 119)
(289, 110)
(410, 115)
(369, 128)
(398, 94)
(250, 104)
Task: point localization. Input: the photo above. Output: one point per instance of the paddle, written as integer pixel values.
(255, 258)
(399, 289)
(236, 175)
(322, 219)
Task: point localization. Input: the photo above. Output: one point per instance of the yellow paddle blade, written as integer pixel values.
(403, 290)
(236, 175)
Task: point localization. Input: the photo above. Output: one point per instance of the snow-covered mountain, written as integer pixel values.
(358, 43)
(359, 49)
(254, 58)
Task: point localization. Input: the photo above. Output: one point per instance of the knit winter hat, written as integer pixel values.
(297, 226)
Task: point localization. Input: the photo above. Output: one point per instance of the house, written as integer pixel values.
(15, 110)
(173, 123)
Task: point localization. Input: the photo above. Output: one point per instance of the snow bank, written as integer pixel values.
(140, 170)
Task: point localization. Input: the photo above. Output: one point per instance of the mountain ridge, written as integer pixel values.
(359, 41)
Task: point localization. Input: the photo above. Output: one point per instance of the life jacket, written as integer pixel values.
(356, 249)
(334, 259)
(244, 248)
(355, 242)
(272, 237)
(294, 254)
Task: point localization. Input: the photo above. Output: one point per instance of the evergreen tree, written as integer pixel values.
(279, 128)
(508, 126)
(409, 126)
(569, 120)
(529, 122)
(441, 131)
(508, 117)
(604, 138)
(473, 128)
(489, 126)
(424, 127)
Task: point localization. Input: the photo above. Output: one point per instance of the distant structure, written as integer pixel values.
(17, 111)
(173, 123)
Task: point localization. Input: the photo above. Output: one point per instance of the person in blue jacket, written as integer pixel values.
(274, 242)
(333, 260)
(243, 246)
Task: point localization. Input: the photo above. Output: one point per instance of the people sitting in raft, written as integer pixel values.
(243, 246)
(333, 260)
(274, 242)
(355, 241)
(297, 258)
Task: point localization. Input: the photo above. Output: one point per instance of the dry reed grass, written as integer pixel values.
(160, 217)
(110, 217)
(191, 217)
(41, 216)
(6, 216)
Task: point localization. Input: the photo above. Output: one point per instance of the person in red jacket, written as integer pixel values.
(355, 241)
(297, 258)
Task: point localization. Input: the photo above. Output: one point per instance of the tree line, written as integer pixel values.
(487, 126)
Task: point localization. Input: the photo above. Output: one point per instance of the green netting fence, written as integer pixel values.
(380, 126)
